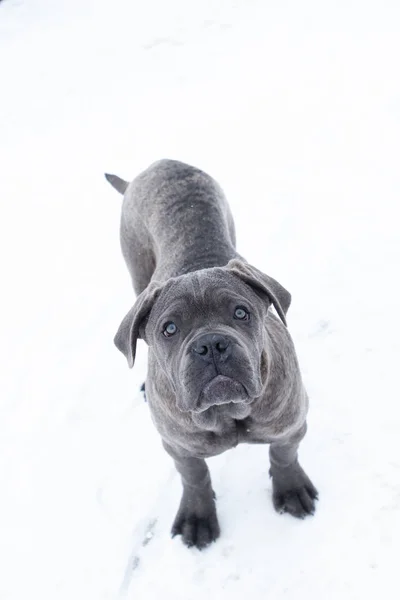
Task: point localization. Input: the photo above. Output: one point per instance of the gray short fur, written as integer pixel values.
(220, 378)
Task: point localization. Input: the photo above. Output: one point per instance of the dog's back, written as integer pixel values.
(175, 219)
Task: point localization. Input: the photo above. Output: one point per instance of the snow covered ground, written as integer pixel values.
(294, 107)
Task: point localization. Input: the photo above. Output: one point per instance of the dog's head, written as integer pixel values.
(207, 332)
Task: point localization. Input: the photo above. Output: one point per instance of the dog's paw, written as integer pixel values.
(195, 530)
(293, 492)
(297, 502)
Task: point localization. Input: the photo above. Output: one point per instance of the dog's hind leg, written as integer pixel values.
(138, 255)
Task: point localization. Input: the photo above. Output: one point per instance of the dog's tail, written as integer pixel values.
(119, 184)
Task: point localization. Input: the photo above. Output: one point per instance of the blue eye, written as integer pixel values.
(169, 329)
(241, 314)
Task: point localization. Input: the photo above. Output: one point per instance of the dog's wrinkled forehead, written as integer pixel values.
(202, 290)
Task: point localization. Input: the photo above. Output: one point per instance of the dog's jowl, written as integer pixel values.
(222, 367)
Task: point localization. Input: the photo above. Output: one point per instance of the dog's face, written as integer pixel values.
(207, 332)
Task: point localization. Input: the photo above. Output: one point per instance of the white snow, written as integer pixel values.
(294, 107)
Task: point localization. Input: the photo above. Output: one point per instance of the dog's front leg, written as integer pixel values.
(292, 490)
(196, 520)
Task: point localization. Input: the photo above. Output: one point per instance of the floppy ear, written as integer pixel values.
(129, 330)
(276, 293)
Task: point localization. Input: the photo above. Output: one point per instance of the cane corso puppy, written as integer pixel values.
(222, 368)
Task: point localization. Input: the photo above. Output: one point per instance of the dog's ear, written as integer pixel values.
(133, 324)
(263, 284)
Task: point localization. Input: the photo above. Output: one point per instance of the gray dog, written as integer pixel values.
(222, 367)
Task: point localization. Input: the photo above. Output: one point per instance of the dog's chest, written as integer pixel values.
(249, 432)
(234, 432)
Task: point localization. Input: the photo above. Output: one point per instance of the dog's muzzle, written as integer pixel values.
(221, 390)
(212, 348)
(216, 353)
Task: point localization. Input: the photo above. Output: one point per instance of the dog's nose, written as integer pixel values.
(212, 346)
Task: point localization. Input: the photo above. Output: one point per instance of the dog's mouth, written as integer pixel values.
(221, 390)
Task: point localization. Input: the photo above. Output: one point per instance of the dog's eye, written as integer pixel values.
(241, 313)
(169, 329)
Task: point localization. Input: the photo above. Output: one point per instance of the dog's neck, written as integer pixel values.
(174, 264)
